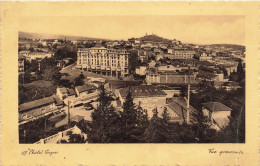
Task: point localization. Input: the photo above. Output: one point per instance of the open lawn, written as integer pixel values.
(36, 90)
(39, 83)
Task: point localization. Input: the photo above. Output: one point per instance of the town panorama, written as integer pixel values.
(148, 89)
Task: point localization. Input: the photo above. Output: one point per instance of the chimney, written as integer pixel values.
(188, 101)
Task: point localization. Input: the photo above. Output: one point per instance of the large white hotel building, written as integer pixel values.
(112, 62)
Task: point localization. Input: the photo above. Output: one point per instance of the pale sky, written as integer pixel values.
(188, 29)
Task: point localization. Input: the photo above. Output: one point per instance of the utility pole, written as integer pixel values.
(188, 101)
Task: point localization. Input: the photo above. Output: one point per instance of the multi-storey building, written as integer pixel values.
(35, 55)
(154, 76)
(21, 64)
(39, 55)
(113, 62)
(39, 108)
(24, 53)
(180, 54)
(151, 97)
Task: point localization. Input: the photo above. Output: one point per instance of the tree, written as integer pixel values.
(33, 67)
(81, 76)
(78, 81)
(183, 91)
(76, 138)
(66, 52)
(52, 74)
(39, 45)
(31, 49)
(157, 131)
(207, 93)
(201, 126)
(165, 115)
(65, 83)
(240, 71)
(105, 125)
(234, 132)
(234, 76)
(133, 61)
(26, 77)
(134, 120)
(89, 45)
(47, 63)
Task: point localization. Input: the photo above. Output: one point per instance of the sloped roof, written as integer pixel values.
(205, 74)
(58, 101)
(179, 106)
(85, 87)
(71, 92)
(232, 83)
(216, 106)
(68, 91)
(142, 91)
(40, 102)
(77, 118)
(25, 51)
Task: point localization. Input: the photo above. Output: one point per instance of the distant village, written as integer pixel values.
(71, 91)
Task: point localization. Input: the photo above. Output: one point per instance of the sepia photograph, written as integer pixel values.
(176, 79)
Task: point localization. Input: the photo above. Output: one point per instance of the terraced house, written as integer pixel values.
(112, 62)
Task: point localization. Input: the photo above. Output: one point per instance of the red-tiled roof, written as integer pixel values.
(216, 106)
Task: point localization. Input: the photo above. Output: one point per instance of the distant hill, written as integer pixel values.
(29, 35)
(153, 38)
(234, 46)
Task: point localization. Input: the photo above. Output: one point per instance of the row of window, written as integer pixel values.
(106, 63)
(102, 57)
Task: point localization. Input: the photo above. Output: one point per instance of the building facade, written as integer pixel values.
(168, 78)
(104, 61)
(147, 96)
(217, 114)
(39, 55)
(21, 64)
(205, 57)
(180, 54)
(39, 108)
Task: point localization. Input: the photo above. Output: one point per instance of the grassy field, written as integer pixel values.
(39, 83)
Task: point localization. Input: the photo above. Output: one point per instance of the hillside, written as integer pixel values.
(29, 35)
(153, 38)
(234, 46)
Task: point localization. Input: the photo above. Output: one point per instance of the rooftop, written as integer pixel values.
(179, 105)
(40, 102)
(142, 91)
(24, 51)
(68, 91)
(216, 106)
(85, 87)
